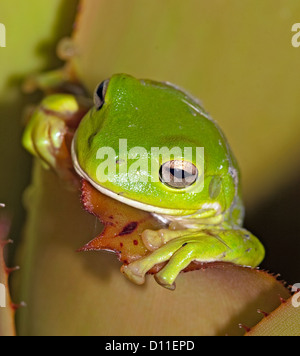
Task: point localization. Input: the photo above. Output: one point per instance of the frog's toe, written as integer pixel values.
(156, 239)
(152, 239)
(179, 261)
(137, 270)
(134, 273)
(162, 281)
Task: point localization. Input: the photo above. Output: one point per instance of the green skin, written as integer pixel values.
(205, 225)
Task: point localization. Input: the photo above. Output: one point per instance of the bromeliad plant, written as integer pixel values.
(187, 219)
(164, 227)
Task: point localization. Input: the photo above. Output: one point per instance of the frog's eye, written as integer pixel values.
(178, 174)
(99, 96)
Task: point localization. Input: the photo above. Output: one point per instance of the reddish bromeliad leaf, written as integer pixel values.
(123, 228)
(123, 225)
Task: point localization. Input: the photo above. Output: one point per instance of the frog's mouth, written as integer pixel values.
(209, 213)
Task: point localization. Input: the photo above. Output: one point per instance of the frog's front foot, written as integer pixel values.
(236, 246)
(50, 130)
(179, 253)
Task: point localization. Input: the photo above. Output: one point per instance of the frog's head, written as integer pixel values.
(117, 146)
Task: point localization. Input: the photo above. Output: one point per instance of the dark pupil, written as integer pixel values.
(180, 173)
(99, 93)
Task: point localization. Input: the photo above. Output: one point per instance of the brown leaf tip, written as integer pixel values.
(282, 301)
(242, 326)
(13, 269)
(15, 307)
(265, 314)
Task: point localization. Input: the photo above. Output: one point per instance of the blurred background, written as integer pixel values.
(236, 56)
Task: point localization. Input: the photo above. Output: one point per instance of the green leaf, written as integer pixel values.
(71, 293)
(284, 321)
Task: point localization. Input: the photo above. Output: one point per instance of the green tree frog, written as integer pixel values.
(152, 146)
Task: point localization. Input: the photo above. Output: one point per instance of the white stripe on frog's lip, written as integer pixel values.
(164, 215)
(119, 197)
